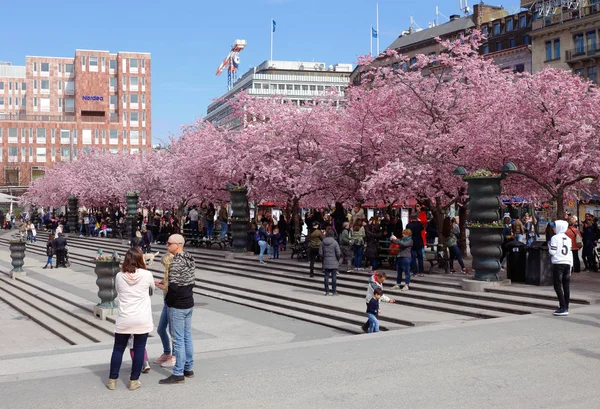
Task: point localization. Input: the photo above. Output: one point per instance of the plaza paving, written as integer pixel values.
(248, 358)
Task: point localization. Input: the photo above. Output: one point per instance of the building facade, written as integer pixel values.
(297, 81)
(508, 41)
(566, 35)
(52, 109)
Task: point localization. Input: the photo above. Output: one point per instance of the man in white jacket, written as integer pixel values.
(562, 261)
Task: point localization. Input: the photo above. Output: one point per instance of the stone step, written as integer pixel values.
(105, 330)
(37, 314)
(437, 303)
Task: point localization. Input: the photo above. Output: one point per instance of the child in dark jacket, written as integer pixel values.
(275, 243)
(373, 311)
(403, 259)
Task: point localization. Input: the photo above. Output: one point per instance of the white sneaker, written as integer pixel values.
(405, 288)
(169, 363)
(396, 287)
(262, 262)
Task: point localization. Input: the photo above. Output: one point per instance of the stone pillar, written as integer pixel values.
(73, 216)
(106, 271)
(485, 241)
(239, 218)
(17, 254)
(132, 208)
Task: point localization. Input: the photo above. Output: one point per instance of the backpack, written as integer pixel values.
(257, 235)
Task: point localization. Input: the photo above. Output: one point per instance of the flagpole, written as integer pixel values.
(377, 9)
(371, 41)
(271, 27)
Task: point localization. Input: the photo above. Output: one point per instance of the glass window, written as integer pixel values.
(499, 46)
(144, 116)
(548, 50)
(34, 67)
(135, 116)
(578, 41)
(124, 136)
(133, 63)
(45, 67)
(34, 102)
(143, 63)
(113, 82)
(60, 83)
(23, 101)
(69, 103)
(59, 67)
(41, 152)
(509, 25)
(527, 39)
(592, 74)
(113, 100)
(45, 84)
(484, 30)
(114, 134)
(497, 28)
(143, 98)
(65, 152)
(1, 85)
(134, 99)
(23, 152)
(112, 64)
(53, 152)
(41, 134)
(579, 71)
(60, 103)
(133, 81)
(281, 86)
(83, 61)
(103, 63)
(512, 43)
(93, 61)
(124, 116)
(486, 49)
(65, 135)
(69, 68)
(13, 133)
(557, 49)
(124, 99)
(34, 84)
(1, 100)
(523, 21)
(13, 151)
(590, 37)
(143, 81)
(23, 86)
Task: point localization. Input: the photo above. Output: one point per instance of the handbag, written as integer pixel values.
(578, 238)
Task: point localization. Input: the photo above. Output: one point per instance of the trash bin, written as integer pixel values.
(516, 261)
(539, 264)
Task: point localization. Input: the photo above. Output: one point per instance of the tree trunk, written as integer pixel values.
(560, 205)
(296, 219)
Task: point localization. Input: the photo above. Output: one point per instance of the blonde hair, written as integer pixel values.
(407, 232)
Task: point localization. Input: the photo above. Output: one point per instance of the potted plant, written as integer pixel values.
(106, 270)
(17, 246)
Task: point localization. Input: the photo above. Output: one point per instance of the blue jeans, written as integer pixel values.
(180, 325)
(49, 260)
(403, 264)
(417, 258)
(373, 323)
(161, 329)
(520, 237)
(223, 230)
(332, 273)
(358, 253)
(275, 252)
(194, 227)
(139, 345)
(209, 228)
(455, 254)
(263, 246)
(374, 263)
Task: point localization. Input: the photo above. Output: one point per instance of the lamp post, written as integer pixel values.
(485, 228)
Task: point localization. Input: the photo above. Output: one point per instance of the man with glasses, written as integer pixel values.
(179, 298)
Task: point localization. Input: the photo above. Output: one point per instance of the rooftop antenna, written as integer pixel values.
(465, 9)
(438, 13)
(414, 24)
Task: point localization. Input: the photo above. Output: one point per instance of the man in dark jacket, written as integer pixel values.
(60, 245)
(316, 237)
(180, 301)
(418, 247)
(147, 240)
(331, 254)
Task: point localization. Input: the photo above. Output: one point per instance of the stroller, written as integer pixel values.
(300, 249)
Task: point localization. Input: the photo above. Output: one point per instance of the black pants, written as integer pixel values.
(576, 263)
(588, 256)
(313, 252)
(562, 277)
(60, 257)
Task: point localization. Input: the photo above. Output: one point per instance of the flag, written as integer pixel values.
(274, 25)
(373, 32)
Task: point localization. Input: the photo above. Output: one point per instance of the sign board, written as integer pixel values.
(92, 98)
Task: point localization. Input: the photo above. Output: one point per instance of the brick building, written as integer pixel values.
(54, 108)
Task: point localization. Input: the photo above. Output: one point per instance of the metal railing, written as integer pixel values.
(582, 51)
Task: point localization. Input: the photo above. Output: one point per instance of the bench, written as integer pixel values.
(435, 255)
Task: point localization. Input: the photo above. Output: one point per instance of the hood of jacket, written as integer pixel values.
(132, 278)
(329, 241)
(561, 226)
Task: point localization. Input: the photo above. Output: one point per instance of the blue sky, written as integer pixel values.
(189, 39)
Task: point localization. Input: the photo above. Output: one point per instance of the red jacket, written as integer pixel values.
(423, 219)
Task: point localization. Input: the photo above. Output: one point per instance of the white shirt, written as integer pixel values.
(135, 308)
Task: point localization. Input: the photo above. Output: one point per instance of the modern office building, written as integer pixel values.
(297, 81)
(54, 108)
(566, 35)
